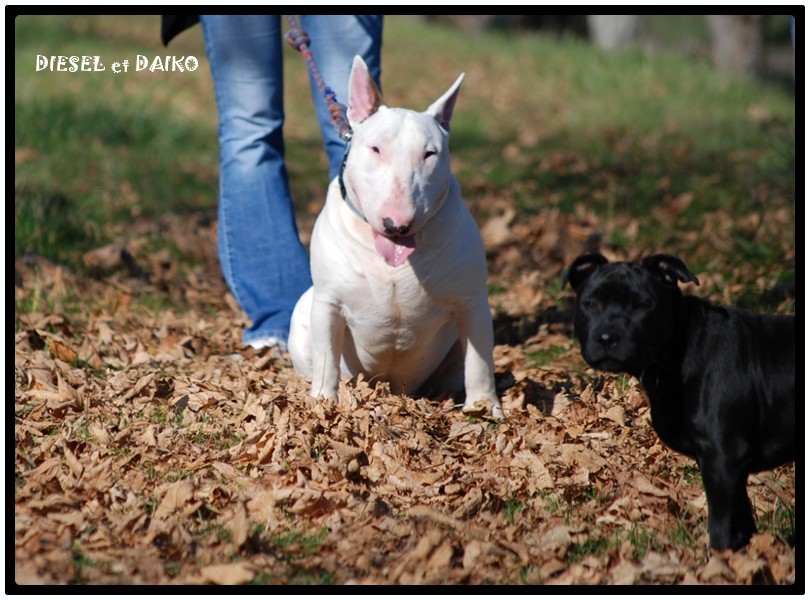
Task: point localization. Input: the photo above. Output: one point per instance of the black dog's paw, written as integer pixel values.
(737, 541)
(735, 538)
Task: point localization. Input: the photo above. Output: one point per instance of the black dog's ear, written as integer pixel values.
(582, 268)
(670, 268)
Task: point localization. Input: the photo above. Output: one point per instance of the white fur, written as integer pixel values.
(428, 315)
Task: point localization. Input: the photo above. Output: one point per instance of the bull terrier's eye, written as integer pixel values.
(375, 149)
(429, 153)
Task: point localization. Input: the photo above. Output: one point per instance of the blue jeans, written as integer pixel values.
(263, 260)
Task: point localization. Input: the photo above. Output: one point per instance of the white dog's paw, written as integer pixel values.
(322, 394)
(483, 407)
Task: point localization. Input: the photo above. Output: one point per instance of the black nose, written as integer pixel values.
(392, 229)
(609, 339)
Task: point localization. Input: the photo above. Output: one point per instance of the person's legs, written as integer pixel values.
(334, 41)
(263, 261)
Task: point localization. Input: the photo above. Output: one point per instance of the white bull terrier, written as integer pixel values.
(398, 267)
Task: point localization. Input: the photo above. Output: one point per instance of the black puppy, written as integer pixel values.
(721, 381)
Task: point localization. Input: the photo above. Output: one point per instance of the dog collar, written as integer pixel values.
(343, 168)
(342, 184)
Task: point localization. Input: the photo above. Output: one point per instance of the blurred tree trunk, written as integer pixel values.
(738, 43)
(614, 31)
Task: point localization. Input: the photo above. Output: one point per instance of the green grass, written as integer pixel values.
(289, 547)
(692, 476)
(80, 562)
(643, 540)
(546, 355)
(684, 534)
(551, 122)
(222, 441)
(781, 522)
(159, 415)
(592, 546)
(95, 150)
(511, 510)
(304, 543)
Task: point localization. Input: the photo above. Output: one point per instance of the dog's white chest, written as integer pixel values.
(394, 312)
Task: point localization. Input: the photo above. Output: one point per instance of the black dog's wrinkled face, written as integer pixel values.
(625, 312)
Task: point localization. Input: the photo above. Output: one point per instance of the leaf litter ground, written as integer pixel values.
(150, 448)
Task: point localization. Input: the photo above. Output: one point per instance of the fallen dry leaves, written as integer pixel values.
(150, 448)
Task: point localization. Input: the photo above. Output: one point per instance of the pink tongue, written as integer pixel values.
(396, 250)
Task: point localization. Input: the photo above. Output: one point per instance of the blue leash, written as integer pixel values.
(299, 40)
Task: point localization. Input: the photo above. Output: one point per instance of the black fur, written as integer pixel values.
(721, 381)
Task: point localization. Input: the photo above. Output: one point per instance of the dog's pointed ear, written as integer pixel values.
(582, 268)
(442, 109)
(670, 268)
(364, 95)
